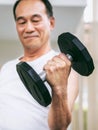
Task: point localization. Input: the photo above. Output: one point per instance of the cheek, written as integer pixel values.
(19, 30)
(44, 26)
(45, 29)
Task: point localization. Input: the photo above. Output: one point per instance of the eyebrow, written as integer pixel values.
(36, 15)
(19, 18)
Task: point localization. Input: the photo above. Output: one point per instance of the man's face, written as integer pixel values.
(33, 25)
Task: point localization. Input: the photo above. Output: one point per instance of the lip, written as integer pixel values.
(31, 37)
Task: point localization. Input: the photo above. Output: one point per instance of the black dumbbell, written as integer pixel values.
(76, 52)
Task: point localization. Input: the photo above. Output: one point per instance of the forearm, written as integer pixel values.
(57, 73)
(59, 114)
(62, 104)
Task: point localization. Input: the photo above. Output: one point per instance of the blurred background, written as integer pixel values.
(79, 17)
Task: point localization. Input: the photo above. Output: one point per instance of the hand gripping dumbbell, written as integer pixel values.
(76, 52)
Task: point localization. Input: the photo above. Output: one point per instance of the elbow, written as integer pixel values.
(68, 120)
(61, 125)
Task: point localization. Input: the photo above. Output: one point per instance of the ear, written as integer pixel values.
(52, 23)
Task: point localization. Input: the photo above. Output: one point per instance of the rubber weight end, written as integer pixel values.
(33, 83)
(82, 61)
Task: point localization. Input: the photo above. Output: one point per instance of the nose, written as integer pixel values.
(29, 27)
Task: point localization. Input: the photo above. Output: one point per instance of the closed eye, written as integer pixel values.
(36, 18)
(35, 21)
(21, 20)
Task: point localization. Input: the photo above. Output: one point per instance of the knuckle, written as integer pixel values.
(69, 63)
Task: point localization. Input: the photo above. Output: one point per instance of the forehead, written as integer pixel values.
(30, 7)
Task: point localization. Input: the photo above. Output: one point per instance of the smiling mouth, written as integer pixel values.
(31, 37)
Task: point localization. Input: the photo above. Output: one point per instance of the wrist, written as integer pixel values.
(59, 92)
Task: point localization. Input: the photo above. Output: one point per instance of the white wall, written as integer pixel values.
(9, 50)
(54, 2)
(68, 2)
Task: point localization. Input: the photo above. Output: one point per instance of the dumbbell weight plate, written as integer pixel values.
(82, 61)
(33, 83)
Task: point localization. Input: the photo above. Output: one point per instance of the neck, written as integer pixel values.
(31, 55)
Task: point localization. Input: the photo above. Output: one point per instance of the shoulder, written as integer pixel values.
(9, 65)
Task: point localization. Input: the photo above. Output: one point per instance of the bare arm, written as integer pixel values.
(58, 70)
(73, 88)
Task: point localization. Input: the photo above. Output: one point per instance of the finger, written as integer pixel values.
(64, 58)
(56, 62)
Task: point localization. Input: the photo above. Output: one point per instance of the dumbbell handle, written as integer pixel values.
(43, 74)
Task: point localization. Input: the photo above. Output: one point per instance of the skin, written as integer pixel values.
(34, 29)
